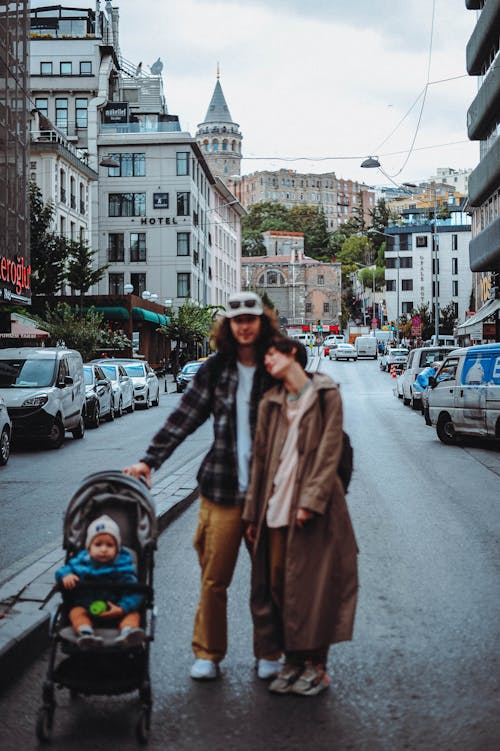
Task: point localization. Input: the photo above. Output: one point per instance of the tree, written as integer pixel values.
(312, 222)
(447, 319)
(72, 328)
(48, 250)
(81, 275)
(191, 325)
(381, 217)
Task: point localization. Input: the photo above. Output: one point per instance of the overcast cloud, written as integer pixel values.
(318, 79)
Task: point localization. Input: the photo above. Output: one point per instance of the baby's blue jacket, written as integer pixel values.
(121, 570)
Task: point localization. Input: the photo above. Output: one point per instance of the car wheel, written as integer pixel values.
(96, 417)
(4, 446)
(79, 431)
(119, 411)
(414, 403)
(445, 429)
(156, 402)
(111, 414)
(55, 437)
(132, 406)
(147, 403)
(406, 401)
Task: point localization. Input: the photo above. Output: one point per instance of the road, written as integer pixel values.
(422, 671)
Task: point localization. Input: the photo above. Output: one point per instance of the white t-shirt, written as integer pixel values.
(243, 435)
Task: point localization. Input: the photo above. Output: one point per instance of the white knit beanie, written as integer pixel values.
(104, 525)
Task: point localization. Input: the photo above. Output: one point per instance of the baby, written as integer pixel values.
(103, 561)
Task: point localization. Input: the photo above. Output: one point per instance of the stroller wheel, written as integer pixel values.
(142, 727)
(44, 721)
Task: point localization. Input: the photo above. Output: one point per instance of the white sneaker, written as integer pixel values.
(267, 669)
(204, 670)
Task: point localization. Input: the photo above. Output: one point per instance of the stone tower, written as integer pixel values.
(219, 138)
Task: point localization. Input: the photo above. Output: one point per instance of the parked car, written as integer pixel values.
(466, 398)
(333, 340)
(187, 374)
(418, 359)
(394, 356)
(5, 432)
(343, 352)
(366, 346)
(44, 390)
(145, 382)
(121, 383)
(98, 396)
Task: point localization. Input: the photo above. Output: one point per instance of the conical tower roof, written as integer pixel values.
(218, 111)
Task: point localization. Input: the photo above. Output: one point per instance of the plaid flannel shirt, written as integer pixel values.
(212, 392)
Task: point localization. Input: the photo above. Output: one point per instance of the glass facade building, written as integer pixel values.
(14, 153)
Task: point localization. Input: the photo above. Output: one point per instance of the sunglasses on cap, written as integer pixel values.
(235, 304)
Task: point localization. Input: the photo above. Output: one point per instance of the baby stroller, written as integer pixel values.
(108, 670)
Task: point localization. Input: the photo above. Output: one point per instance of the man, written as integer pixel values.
(228, 386)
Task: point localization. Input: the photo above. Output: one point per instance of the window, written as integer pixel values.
(183, 243)
(85, 68)
(390, 285)
(272, 277)
(72, 194)
(42, 106)
(137, 247)
(454, 288)
(391, 263)
(308, 307)
(421, 241)
(183, 284)
(115, 284)
(82, 198)
(62, 114)
(454, 242)
(326, 307)
(405, 263)
(127, 204)
(66, 69)
(115, 247)
(183, 203)
(138, 282)
(407, 308)
(321, 280)
(454, 265)
(182, 162)
(129, 165)
(406, 285)
(81, 112)
(45, 69)
(434, 290)
(62, 186)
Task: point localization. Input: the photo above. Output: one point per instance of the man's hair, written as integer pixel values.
(223, 341)
(287, 345)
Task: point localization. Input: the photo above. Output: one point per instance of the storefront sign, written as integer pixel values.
(15, 277)
(115, 112)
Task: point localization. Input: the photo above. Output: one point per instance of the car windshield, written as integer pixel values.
(134, 369)
(110, 371)
(191, 368)
(398, 352)
(24, 374)
(88, 376)
(345, 346)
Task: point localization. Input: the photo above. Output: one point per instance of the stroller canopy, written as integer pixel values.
(122, 497)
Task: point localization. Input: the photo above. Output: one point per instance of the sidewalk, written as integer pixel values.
(24, 609)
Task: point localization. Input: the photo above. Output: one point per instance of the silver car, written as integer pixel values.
(123, 388)
(5, 432)
(145, 382)
(344, 352)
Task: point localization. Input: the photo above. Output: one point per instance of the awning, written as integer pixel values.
(141, 314)
(110, 313)
(489, 309)
(24, 331)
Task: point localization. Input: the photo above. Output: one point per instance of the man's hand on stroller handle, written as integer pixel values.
(141, 471)
(70, 581)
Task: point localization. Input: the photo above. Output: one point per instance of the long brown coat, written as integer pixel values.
(321, 580)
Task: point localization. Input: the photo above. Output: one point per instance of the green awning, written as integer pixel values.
(141, 314)
(163, 319)
(111, 314)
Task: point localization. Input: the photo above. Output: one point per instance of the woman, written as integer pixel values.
(304, 572)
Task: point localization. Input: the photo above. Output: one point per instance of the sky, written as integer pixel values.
(334, 81)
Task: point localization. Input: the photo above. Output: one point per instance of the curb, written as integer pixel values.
(24, 631)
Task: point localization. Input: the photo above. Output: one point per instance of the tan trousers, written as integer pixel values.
(79, 616)
(217, 542)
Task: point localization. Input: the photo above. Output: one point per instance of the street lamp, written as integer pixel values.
(128, 288)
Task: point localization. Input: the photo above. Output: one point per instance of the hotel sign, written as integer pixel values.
(115, 112)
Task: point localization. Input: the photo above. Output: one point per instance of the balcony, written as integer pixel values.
(150, 127)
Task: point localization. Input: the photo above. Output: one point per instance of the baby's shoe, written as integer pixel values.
(130, 636)
(87, 639)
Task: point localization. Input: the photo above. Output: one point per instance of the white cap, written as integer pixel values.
(104, 525)
(244, 303)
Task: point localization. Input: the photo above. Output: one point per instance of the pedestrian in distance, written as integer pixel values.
(103, 562)
(228, 386)
(304, 563)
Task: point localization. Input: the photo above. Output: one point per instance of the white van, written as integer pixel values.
(418, 359)
(44, 391)
(366, 346)
(465, 399)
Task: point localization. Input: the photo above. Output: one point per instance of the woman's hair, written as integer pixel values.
(287, 345)
(222, 339)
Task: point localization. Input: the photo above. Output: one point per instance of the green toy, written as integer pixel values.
(97, 607)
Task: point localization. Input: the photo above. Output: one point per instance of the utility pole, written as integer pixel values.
(435, 248)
